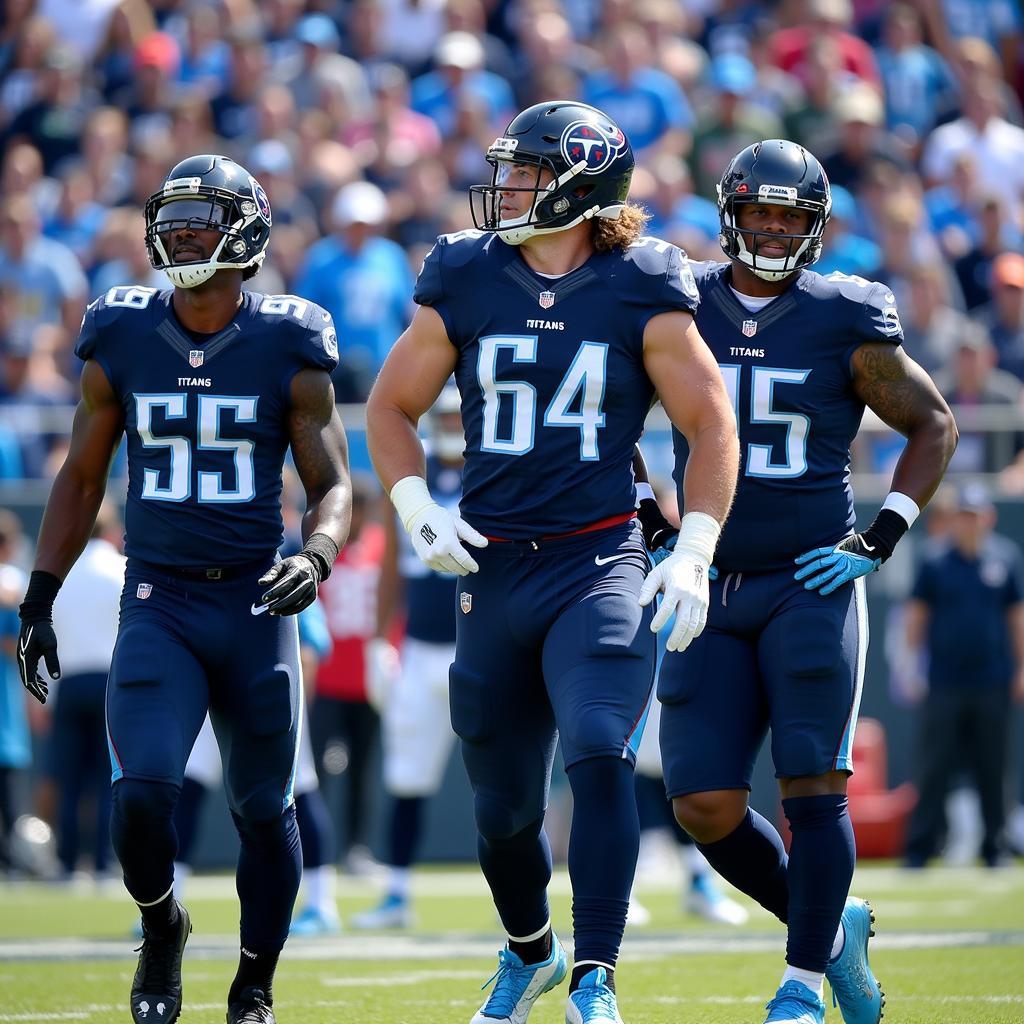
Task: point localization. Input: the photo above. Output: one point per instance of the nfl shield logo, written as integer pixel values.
(145, 589)
(195, 357)
(546, 300)
(749, 328)
(466, 603)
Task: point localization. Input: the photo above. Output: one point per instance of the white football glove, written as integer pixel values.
(436, 534)
(683, 580)
(382, 667)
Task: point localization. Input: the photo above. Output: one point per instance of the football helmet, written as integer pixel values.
(209, 193)
(780, 172)
(589, 158)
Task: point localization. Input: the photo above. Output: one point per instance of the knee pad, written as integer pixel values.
(273, 833)
(497, 822)
(137, 803)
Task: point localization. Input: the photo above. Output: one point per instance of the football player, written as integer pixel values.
(211, 384)
(559, 321)
(802, 356)
(415, 717)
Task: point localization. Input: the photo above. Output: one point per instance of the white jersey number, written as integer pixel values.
(582, 387)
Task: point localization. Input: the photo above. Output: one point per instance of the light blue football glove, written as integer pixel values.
(827, 569)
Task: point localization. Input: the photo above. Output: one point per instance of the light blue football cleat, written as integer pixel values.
(311, 921)
(593, 1002)
(854, 989)
(795, 1003)
(517, 986)
(393, 911)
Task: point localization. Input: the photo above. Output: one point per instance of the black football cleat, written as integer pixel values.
(251, 1008)
(156, 989)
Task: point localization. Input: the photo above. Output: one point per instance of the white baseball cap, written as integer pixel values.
(359, 202)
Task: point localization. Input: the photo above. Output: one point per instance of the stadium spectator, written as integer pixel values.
(121, 256)
(236, 103)
(363, 280)
(149, 93)
(932, 328)
(340, 710)
(44, 275)
(972, 382)
(845, 249)
(811, 120)
(459, 75)
(205, 56)
(966, 616)
(953, 211)
(919, 87)
(78, 217)
(997, 145)
(831, 18)
(646, 103)
(104, 155)
(86, 613)
(974, 267)
(730, 123)
(24, 66)
(1003, 316)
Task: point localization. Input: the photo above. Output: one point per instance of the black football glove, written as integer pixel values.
(294, 580)
(658, 531)
(36, 638)
(292, 583)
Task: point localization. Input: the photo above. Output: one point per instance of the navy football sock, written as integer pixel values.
(821, 861)
(142, 831)
(603, 846)
(316, 830)
(269, 868)
(518, 869)
(186, 817)
(406, 815)
(753, 858)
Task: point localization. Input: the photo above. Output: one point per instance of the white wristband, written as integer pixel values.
(903, 506)
(410, 497)
(644, 490)
(698, 535)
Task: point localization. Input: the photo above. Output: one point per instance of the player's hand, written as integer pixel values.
(827, 569)
(682, 578)
(292, 582)
(659, 534)
(37, 640)
(382, 667)
(437, 537)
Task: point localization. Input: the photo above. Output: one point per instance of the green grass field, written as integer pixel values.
(950, 949)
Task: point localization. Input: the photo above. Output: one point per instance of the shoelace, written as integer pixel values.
(503, 999)
(790, 994)
(599, 1001)
(156, 959)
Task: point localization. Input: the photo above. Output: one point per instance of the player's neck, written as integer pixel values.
(559, 253)
(748, 283)
(209, 307)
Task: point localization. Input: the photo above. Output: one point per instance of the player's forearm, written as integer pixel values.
(67, 522)
(930, 446)
(711, 469)
(329, 512)
(915, 623)
(395, 446)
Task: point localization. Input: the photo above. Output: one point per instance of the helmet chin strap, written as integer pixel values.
(767, 269)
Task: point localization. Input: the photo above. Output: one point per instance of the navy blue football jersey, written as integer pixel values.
(206, 421)
(429, 595)
(554, 391)
(787, 370)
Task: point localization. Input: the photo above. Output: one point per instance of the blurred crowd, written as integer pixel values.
(366, 120)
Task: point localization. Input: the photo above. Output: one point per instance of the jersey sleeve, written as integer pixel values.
(680, 286)
(429, 289)
(879, 319)
(667, 283)
(318, 340)
(93, 342)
